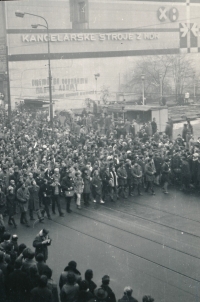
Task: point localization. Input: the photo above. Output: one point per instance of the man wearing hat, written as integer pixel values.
(41, 243)
(127, 295)
(105, 286)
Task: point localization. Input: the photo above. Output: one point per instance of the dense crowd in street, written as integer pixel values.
(87, 159)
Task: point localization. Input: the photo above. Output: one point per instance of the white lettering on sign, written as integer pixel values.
(89, 37)
(151, 36)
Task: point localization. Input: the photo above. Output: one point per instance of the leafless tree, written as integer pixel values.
(168, 74)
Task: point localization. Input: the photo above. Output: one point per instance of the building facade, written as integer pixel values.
(91, 37)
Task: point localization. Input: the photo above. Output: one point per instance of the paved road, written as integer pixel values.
(150, 242)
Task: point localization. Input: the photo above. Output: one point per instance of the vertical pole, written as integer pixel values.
(50, 81)
(96, 87)
(161, 91)
(143, 92)
(8, 85)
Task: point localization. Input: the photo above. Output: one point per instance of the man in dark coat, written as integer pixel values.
(41, 243)
(46, 192)
(84, 294)
(105, 286)
(67, 185)
(88, 277)
(17, 284)
(41, 265)
(41, 293)
(29, 261)
(71, 268)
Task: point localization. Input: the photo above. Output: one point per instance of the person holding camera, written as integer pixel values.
(41, 243)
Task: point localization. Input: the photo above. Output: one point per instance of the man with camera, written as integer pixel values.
(41, 243)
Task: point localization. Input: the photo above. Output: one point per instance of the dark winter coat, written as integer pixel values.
(67, 184)
(39, 247)
(18, 286)
(87, 184)
(137, 175)
(11, 204)
(165, 173)
(63, 276)
(23, 198)
(122, 174)
(84, 296)
(2, 203)
(69, 293)
(34, 198)
(39, 294)
(125, 298)
(149, 172)
(97, 184)
(111, 296)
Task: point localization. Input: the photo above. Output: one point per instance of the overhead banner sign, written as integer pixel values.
(89, 37)
(33, 46)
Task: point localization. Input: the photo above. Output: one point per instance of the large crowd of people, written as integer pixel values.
(87, 159)
(90, 158)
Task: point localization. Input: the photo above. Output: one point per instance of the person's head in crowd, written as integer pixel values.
(9, 248)
(96, 172)
(6, 236)
(42, 282)
(105, 280)
(22, 247)
(33, 182)
(88, 275)
(12, 182)
(39, 257)
(28, 253)
(147, 299)
(100, 293)
(71, 278)
(128, 291)
(47, 272)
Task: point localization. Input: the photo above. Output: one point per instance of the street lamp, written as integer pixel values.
(96, 75)
(161, 87)
(142, 78)
(21, 15)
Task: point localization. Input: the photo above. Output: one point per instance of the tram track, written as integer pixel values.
(132, 233)
(129, 252)
(156, 222)
(164, 211)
